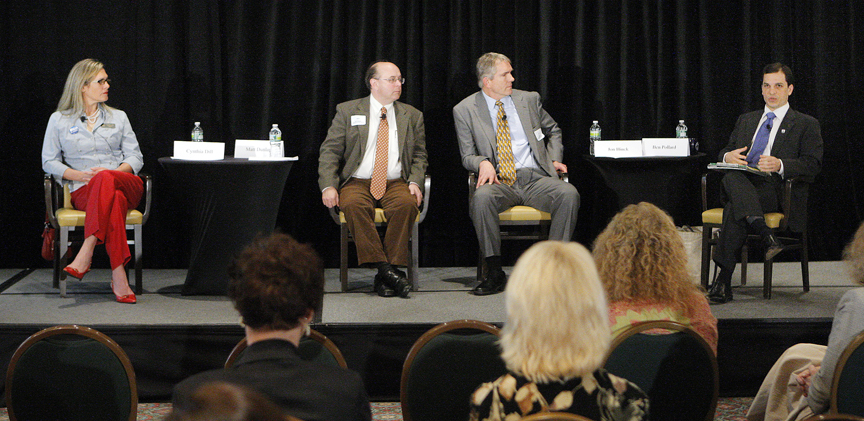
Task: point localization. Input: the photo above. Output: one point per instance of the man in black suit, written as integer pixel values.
(781, 142)
(276, 285)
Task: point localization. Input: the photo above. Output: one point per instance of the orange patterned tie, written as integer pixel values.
(506, 165)
(382, 147)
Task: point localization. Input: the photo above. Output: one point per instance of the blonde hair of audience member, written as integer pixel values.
(640, 257)
(82, 73)
(853, 255)
(557, 320)
(221, 401)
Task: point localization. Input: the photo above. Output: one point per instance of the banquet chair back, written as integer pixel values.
(315, 347)
(555, 416)
(445, 366)
(848, 382)
(69, 223)
(70, 372)
(670, 368)
(835, 417)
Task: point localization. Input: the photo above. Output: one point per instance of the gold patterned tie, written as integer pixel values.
(506, 165)
(382, 147)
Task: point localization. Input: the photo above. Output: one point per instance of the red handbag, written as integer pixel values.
(48, 236)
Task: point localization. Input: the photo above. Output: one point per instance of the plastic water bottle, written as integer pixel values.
(595, 136)
(276, 142)
(197, 132)
(681, 130)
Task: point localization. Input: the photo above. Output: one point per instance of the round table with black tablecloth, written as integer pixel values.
(227, 203)
(670, 183)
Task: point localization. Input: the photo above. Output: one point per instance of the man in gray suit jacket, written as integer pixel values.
(514, 146)
(790, 147)
(375, 154)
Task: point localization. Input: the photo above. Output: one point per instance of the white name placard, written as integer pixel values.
(670, 146)
(618, 148)
(246, 148)
(200, 151)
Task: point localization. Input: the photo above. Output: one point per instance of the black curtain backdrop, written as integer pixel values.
(239, 66)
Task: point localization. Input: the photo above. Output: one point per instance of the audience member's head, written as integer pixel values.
(854, 256)
(557, 320)
(640, 257)
(276, 282)
(220, 401)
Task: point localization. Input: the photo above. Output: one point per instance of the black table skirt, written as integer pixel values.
(670, 183)
(226, 204)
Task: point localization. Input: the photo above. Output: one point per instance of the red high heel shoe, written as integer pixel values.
(74, 272)
(124, 299)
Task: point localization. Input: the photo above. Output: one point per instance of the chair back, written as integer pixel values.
(848, 379)
(70, 372)
(671, 368)
(555, 416)
(834, 417)
(316, 347)
(445, 366)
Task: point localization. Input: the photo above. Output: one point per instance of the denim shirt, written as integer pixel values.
(68, 144)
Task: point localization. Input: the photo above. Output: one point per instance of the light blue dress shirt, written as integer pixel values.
(68, 144)
(519, 141)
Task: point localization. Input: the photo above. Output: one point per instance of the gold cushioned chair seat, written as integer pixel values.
(524, 213)
(379, 216)
(715, 216)
(67, 217)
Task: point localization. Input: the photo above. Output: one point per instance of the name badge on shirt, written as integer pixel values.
(108, 125)
(358, 120)
(73, 130)
(539, 134)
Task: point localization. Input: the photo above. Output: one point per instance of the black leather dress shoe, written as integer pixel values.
(382, 289)
(720, 292)
(773, 246)
(493, 283)
(395, 280)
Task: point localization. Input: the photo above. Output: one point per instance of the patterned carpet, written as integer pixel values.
(728, 409)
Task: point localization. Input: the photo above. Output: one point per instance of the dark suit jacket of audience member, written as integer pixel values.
(306, 390)
(798, 144)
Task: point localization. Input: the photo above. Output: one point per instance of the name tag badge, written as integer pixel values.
(108, 125)
(358, 120)
(73, 130)
(539, 134)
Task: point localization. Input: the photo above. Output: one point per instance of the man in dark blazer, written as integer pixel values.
(276, 285)
(500, 121)
(349, 163)
(781, 142)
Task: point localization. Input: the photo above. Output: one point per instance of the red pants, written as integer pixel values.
(107, 198)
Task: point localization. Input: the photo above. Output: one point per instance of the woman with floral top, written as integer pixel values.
(554, 342)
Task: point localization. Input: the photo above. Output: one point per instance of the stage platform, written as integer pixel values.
(169, 336)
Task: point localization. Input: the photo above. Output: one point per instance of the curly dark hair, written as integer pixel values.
(275, 281)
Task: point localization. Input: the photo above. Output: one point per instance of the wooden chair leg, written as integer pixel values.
(57, 267)
(64, 246)
(805, 269)
(414, 264)
(139, 251)
(766, 284)
(706, 255)
(343, 258)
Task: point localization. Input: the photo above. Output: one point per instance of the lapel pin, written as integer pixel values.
(782, 130)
